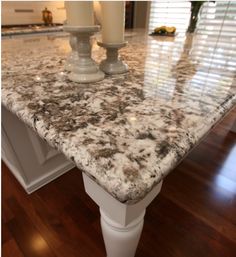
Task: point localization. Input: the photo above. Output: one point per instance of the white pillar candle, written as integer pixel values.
(98, 11)
(79, 13)
(113, 21)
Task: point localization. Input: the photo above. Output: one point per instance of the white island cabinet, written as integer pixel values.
(32, 161)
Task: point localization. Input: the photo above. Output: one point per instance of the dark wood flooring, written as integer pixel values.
(194, 215)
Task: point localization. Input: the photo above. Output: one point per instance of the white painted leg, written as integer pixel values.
(121, 240)
(121, 223)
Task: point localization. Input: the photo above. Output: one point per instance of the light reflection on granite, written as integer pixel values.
(128, 131)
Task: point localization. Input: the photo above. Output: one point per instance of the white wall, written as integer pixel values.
(31, 12)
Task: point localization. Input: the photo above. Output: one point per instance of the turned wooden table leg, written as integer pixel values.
(121, 240)
(121, 223)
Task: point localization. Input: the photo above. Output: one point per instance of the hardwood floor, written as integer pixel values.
(194, 215)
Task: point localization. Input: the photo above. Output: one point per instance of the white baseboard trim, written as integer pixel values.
(14, 171)
(41, 181)
(47, 178)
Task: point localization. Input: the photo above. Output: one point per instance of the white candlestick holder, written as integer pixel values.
(84, 70)
(113, 64)
(73, 57)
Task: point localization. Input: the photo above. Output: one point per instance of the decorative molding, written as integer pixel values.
(42, 150)
(10, 158)
(14, 170)
(31, 160)
(48, 177)
(40, 181)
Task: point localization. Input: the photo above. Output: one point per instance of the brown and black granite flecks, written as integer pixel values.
(128, 131)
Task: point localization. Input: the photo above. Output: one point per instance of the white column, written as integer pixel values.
(121, 240)
(121, 223)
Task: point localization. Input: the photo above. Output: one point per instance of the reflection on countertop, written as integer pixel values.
(128, 131)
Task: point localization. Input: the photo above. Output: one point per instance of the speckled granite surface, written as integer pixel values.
(128, 131)
(30, 30)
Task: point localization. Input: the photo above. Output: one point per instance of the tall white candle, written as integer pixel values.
(113, 21)
(79, 13)
(98, 11)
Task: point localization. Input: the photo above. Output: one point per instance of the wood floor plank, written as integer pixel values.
(29, 240)
(203, 202)
(175, 226)
(11, 249)
(63, 226)
(6, 213)
(6, 234)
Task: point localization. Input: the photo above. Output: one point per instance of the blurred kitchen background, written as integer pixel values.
(20, 16)
(23, 13)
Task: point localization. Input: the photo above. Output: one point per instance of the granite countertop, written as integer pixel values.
(128, 131)
(12, 31)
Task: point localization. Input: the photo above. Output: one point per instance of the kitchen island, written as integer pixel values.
(127, 132)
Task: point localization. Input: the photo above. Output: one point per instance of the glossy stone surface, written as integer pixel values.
(128, 131)
(30, 30)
